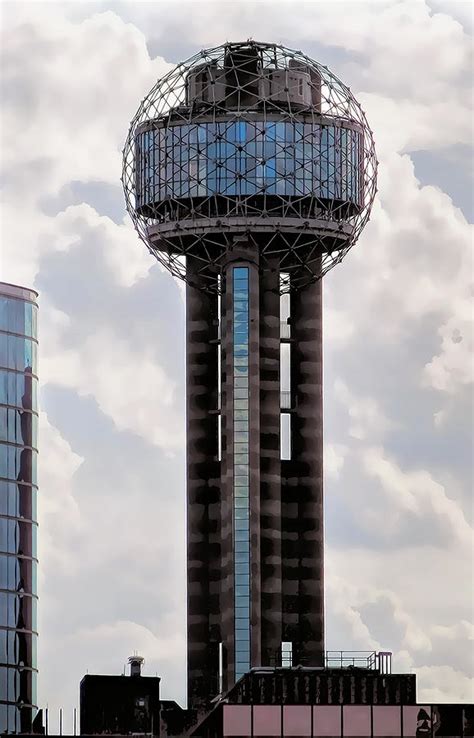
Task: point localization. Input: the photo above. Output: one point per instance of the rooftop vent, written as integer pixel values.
(135, 662)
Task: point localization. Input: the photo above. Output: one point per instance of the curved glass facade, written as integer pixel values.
(18, 517)
(243, 158)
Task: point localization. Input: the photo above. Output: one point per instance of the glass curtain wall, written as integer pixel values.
(236, 159)
(18, 519)
(240, 291)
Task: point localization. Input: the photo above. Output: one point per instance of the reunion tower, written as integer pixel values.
(249, 171)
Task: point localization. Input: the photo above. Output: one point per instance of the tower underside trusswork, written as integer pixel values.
(249, 171)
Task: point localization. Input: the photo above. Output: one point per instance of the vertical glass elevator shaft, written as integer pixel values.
(241, 502)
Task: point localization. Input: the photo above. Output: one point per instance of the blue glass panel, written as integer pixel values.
(240, 502)
(241, 317)
(241, 340)
(242, 642)
(242, 556)
(242, 649)
(242, 567)
(241, 383)
(241, 448)
(242, 631)
(240, 393)
(242, 580)
(241, 590)
(242, 636)
(242, 536)
(240, 469)
(240, 361)
(240, 294)
(241, 487)
(241, 404)
(241, 531)
(241, 288)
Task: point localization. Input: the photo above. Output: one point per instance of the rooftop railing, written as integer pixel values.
(377, 661)
(382, 661)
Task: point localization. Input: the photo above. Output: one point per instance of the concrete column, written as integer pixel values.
(270, 479)
(303, 486)
(203, 496)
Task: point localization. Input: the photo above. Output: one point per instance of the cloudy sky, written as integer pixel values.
(398, 339)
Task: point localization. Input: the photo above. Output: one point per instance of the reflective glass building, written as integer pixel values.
(18, 517)
(249, 171)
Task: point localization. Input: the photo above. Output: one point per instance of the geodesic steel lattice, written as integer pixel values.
(255, 144)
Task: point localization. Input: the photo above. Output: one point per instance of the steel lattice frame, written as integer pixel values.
(299, 232)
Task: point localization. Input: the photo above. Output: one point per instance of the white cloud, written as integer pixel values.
(349, 598)
(417, 492)
(125, 256)
(365, 415)
(59, 512)
(375, 606)
(454, 365)
(128, 384)
(337, 327)
(444, 684)
(70, 92)
(334, 455)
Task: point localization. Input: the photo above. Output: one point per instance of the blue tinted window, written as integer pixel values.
(18, 389)
(299, 159)
(17, 316)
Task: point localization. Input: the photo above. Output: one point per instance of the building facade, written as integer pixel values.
(18, 516)
(249, 171)
(339, 721)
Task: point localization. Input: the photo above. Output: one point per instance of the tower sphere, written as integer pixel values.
(249, 145)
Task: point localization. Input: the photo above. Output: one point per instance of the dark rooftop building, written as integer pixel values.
(354, 694)
(120, 704)
(325, 703)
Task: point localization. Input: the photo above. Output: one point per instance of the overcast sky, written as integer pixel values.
(398, 340)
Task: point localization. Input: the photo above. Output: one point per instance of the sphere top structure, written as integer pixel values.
(249, 144)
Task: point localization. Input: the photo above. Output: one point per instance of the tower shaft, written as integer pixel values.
(255, 521)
